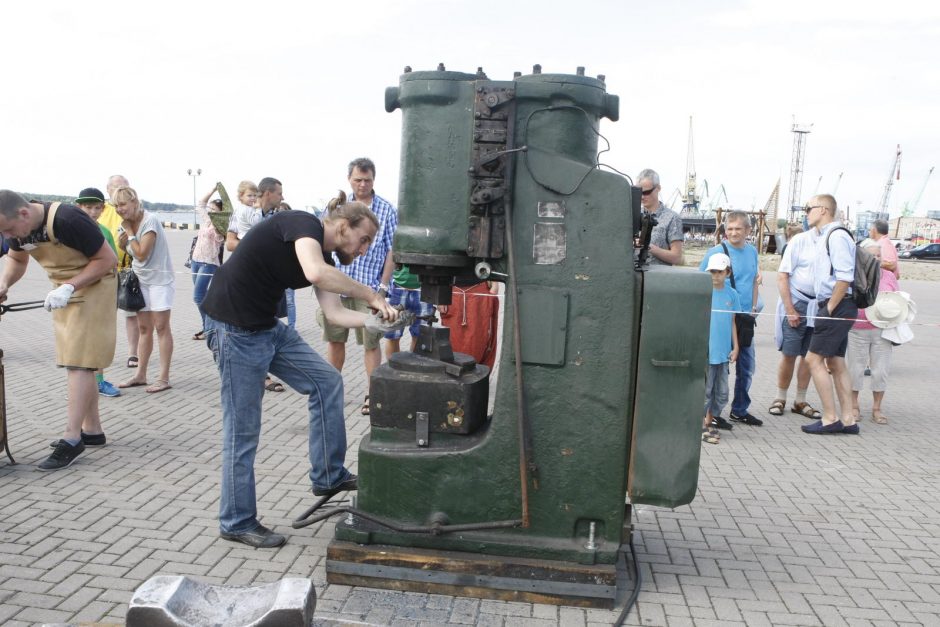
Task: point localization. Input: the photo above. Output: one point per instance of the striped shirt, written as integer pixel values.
(367, 269)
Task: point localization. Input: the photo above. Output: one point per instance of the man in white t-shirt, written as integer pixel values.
(796, 309)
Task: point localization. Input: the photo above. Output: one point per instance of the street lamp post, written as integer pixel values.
(195, 176)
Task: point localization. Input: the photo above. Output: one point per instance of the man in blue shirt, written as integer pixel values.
(833, 273)
(374, 269)
(744, 279)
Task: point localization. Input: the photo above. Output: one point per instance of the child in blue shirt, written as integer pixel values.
(722, 343)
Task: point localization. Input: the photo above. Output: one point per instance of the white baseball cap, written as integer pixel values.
(719, 261)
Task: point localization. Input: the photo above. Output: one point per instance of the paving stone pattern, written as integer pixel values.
(787, 529)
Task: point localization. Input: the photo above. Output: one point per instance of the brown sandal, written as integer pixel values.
(879, 418)
(710, 436)
(364, 410)
(776, 408)
(805, 409)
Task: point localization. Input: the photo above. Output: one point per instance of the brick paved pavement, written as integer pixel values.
(787, 529)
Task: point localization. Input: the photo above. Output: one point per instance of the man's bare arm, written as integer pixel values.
(13, 270)
(327, 278)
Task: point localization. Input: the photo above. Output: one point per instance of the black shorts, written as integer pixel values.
(831, 337)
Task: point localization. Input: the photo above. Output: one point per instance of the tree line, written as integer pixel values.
(149, 206)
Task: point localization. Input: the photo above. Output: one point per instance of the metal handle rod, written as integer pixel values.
(394, 526)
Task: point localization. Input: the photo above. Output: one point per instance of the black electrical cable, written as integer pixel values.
(597, 164)
(637, 581)
(525, 155)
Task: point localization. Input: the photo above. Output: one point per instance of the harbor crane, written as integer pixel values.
(691, 198)
(794, 203)
(713, 204)
(895, 173)
(835, 187)
(676, 193)
(911, 207)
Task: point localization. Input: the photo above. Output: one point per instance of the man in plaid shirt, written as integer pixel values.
(373, 269)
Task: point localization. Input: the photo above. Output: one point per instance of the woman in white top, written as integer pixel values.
(142, 237)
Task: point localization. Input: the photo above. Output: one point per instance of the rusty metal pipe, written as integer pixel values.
(526, 464)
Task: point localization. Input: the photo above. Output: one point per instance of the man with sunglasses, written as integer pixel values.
(833, 273)
(666, 238)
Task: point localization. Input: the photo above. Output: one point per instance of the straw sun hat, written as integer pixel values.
(889, 310)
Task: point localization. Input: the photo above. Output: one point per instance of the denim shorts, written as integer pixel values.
(796, 339)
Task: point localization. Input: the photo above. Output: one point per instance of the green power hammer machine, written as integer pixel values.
(527, 493)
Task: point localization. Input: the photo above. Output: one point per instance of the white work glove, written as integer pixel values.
(59, 297)
(377, 324)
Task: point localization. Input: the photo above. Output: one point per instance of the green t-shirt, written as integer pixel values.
(404, 278)
(107, 236)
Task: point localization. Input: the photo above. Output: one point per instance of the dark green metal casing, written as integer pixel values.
(588, 330)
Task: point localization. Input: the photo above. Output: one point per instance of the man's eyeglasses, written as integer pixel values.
(807, 208)
(647, 192)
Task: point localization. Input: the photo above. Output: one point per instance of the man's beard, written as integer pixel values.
(345, 258)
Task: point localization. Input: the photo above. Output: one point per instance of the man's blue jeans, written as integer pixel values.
(291, 307)
(244, 357)
(743, 371)
(202, 276)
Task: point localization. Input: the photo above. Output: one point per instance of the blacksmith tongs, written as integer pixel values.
(31, 304)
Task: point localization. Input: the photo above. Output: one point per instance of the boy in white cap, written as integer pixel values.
(722, 343)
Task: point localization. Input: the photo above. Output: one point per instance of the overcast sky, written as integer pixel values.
(295, 90)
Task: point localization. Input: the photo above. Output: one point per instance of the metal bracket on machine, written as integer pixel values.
(422, 429)
(493, 112)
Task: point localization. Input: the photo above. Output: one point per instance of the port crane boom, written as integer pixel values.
(911, 207)
(895, 172)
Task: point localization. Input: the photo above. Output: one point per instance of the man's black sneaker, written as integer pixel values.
(747, 419)
(349, 485)
(260, 537)
(720, 423)
(88, 439)
(63, 455)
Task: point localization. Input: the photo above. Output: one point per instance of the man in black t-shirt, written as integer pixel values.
(70, 247)
(289, 250)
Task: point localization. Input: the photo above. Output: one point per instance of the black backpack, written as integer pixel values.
(867, 273)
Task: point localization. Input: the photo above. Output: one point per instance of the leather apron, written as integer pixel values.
(85, 333)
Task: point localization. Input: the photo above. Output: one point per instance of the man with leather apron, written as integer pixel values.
(81, 266)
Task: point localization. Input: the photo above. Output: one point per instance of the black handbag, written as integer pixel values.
(129, 296)
(189, 260)
(745, 325)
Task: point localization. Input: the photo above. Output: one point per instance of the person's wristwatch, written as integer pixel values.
(383, 290)
(131, 238)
